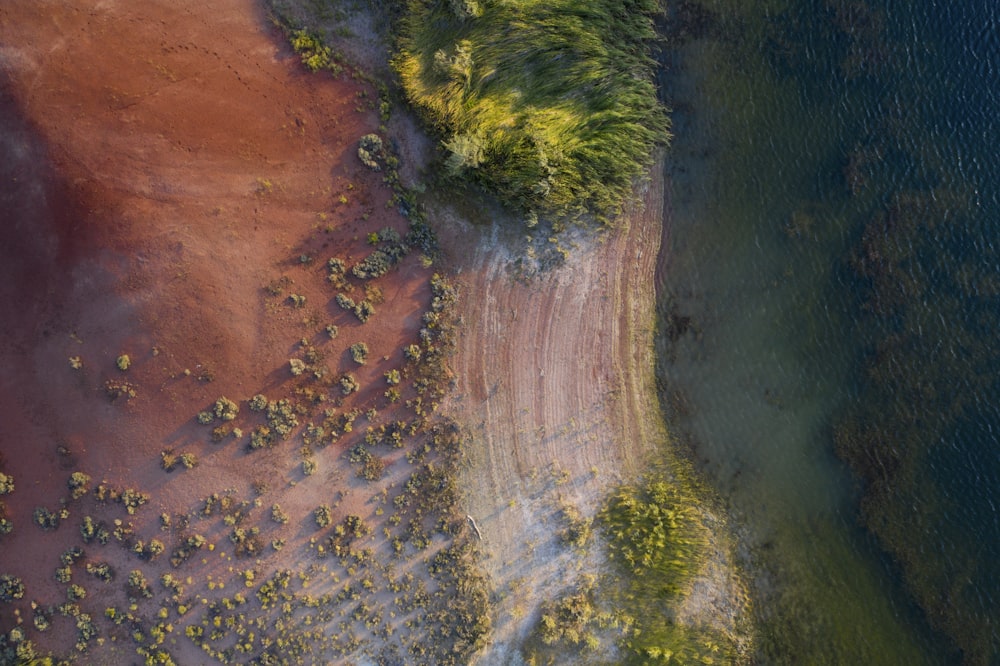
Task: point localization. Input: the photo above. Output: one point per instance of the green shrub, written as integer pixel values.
(132, 499)
(115, 389)
(370, 151)
(363, 311)
(101, 571)
(577, 528)
(278, 515)
(258, 403)
(79, 484)
(46, 519)
(76, 592)
(11, 588)
(225, 409)
(137, 586)
(323, 516)
(260, 438)
(345, 301)
(348, 384)
(359, 352)
(313, 53)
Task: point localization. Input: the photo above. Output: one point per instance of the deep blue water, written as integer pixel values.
(835, 178)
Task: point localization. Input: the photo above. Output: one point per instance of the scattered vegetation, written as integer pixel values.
(116, 388)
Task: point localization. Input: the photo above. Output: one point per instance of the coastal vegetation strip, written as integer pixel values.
(550, 105)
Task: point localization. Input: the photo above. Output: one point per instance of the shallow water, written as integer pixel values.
(771, 101)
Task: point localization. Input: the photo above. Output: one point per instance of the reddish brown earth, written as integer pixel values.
(160, 163)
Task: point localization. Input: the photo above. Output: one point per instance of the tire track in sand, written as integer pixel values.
(557, 386)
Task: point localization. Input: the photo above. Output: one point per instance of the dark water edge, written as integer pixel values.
(828, 312)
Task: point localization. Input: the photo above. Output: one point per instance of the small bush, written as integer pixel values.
(79, 484)
(137, 586)
(296, 366)
(278, 515)
(345, 301)
(372, 469)
(370, 151)
(359, 352)
(132, 499)
(348, 384)
(314, 55)
(258, 403)
(260, 438)
(11, 588)
(101, 571)
(6, 484)
(115, 389)
(123, 362)
(45, 518)
(225, 409)
(364, 311)
(323, 516)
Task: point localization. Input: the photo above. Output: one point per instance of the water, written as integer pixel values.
(833, 282)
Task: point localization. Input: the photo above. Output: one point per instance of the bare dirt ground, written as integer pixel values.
(556, 384)
(162, 162)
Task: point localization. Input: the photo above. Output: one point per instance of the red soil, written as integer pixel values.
(160, 162)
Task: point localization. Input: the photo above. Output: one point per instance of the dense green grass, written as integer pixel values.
(659, 542)
(550, 105)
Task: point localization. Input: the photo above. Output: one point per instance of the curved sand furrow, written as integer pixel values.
(557, 386)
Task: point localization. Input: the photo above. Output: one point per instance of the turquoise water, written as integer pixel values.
(832, 286)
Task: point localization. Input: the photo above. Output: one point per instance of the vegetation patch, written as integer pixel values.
(658, 542)
(549, 105)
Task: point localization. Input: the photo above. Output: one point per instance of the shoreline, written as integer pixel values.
(557, 386)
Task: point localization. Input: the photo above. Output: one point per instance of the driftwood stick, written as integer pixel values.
(472, 521)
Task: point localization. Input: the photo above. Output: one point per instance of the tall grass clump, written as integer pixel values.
(550, 105)
(658, 539)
